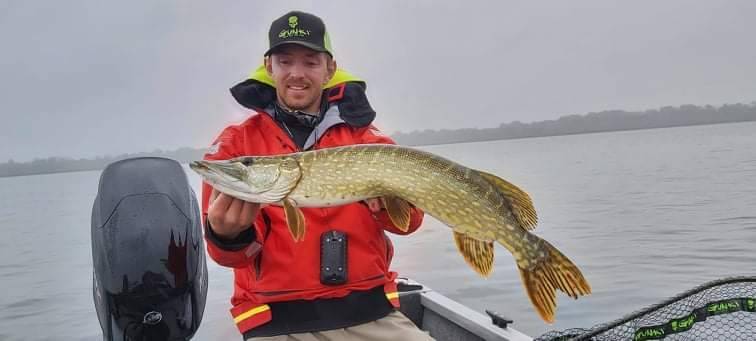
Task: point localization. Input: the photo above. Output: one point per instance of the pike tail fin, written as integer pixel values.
(555, 271)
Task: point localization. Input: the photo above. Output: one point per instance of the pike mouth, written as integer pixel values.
(222, 168)
(198, 166)
(219, 175)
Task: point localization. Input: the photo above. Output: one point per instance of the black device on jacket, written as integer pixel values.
(333, 257)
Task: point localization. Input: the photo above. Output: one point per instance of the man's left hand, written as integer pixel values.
(374, 204)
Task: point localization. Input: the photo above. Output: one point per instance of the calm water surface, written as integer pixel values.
(645, 215)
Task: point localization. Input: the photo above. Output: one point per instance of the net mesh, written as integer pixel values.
(719, 310)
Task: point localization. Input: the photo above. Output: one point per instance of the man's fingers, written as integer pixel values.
(374, 205)
(249, 212)
(213, 195)
(220, 203)
(234, 209)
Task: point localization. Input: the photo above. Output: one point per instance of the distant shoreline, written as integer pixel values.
(586, 133)
(605, 121)
(53, 172)
(592, 123)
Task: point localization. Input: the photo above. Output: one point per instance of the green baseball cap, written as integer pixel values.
(297, 27)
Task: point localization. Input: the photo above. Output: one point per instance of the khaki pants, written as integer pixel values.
(394, 327)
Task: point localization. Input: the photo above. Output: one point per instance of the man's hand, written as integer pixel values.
(229, 216)
(374, 204)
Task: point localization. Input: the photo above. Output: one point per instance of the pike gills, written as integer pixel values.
(479, 207)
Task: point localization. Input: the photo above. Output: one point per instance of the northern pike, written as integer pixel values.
(479, 207)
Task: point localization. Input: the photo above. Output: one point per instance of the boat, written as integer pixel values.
(448, 320)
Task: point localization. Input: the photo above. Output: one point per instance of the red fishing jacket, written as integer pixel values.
(274, 268)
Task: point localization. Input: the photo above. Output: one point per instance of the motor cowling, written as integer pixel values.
(150, 271)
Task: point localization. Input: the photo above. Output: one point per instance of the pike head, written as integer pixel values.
(260, 179)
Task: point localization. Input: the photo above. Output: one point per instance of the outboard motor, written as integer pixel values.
(150, 272)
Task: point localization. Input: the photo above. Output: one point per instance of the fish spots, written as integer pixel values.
(419, 190)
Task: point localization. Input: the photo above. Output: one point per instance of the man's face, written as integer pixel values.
(300, 74)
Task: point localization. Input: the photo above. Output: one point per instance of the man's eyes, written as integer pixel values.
(306, 62)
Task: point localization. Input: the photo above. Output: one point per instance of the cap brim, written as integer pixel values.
(308, 45)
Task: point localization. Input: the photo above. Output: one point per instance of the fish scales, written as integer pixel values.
(414, 172)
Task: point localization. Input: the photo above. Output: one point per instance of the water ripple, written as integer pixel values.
(735, 219)
(25, 303)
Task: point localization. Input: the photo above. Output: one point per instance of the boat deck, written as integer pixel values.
(445, 319)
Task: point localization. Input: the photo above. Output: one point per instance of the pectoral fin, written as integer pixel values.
(294, 219)
(398, 210)
(477, 253)
(520, 202)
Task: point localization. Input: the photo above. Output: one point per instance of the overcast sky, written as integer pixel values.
(86, 78)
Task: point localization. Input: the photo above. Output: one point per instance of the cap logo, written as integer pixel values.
(293, 21)
(294, 32)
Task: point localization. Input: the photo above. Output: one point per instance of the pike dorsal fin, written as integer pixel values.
(294, 219)
(398, 210)
(522, 205)
(477, 253)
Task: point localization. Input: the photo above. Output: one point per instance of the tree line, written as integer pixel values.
(61, 165)
(614, 120)
(603, 121)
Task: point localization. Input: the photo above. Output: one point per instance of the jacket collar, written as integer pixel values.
(344, 92)
(331, 117)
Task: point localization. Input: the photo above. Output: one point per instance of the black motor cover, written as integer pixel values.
(150, 272)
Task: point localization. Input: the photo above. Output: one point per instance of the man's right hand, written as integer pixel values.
(229, 216)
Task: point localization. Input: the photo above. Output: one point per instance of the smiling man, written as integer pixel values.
(300, 74)
(336, 283)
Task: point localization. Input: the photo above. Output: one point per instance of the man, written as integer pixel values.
(305, 290)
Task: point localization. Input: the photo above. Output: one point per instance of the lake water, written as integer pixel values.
(644, 214)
